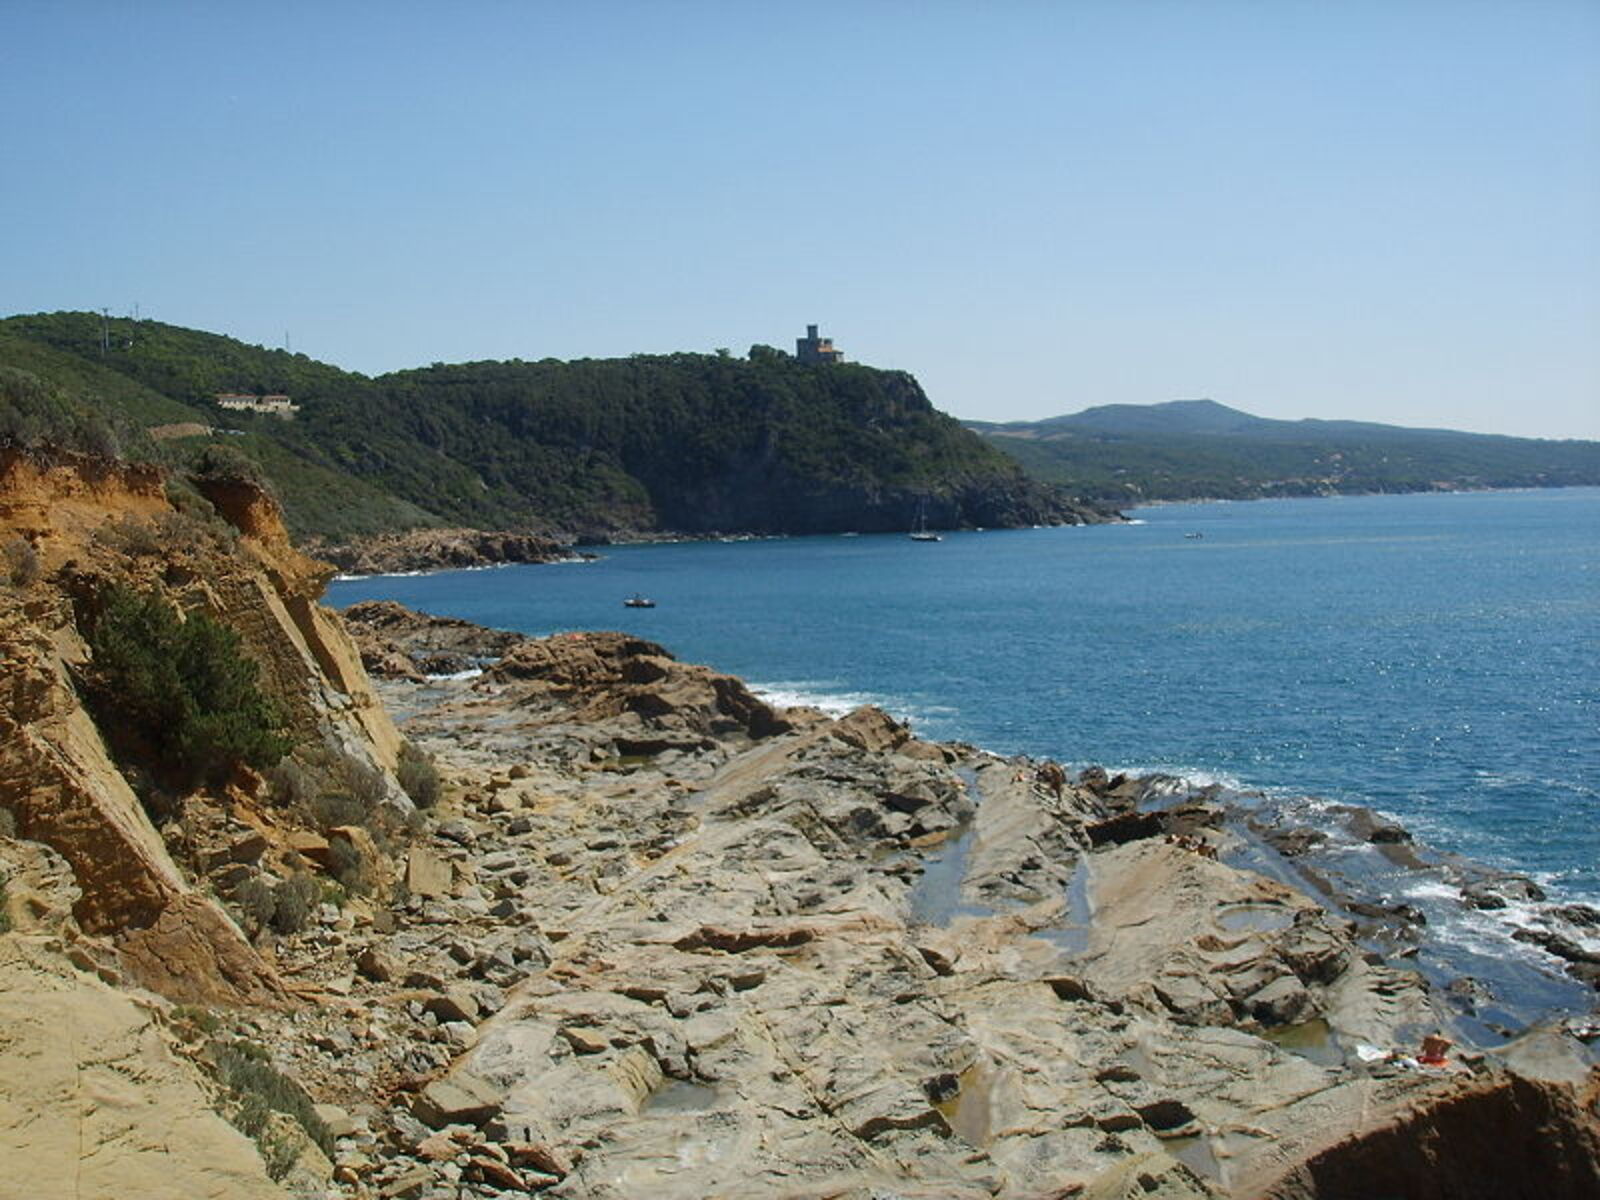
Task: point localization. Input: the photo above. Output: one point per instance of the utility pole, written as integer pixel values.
(105, 331)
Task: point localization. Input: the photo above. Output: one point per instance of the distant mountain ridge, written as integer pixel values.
(1200, 449)
(591, 449)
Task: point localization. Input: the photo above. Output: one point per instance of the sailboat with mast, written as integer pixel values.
(919, 530)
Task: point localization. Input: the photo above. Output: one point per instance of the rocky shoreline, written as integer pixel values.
(596, 923)
(419, 550)
(670, 941)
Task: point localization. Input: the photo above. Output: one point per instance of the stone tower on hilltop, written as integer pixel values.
(814, 349)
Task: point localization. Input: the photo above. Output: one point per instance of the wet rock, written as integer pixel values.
(1581, 915)
(1497, 892)
(1292, 843)
(1285, 1001)
(1095, 779)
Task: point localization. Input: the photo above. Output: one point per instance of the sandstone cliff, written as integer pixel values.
(96, 1100)
(84, 522)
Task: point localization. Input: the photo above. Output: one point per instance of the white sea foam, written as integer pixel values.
(1193, 777)
(381, 575)
(453, 676)
(1430, 889)
(820, 695)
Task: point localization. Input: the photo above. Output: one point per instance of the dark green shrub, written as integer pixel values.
(39, 417)
(418, 776)
(181, 692)
(5, 913)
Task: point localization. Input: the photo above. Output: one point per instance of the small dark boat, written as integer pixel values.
(638, 601)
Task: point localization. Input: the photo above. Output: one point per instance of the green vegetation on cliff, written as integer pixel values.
(687, 442)
(178, 694)
(1198, 449)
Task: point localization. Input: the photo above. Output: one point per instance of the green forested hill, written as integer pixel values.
(1198, 449)
(686, 442)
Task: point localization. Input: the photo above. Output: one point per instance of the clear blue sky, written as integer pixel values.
(1386, 210)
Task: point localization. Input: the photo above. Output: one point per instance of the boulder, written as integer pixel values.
(460, 1099)
(453, 1004)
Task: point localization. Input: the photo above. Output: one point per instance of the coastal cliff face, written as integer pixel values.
(85, 522)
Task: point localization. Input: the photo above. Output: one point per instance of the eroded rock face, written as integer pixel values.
(90, 523)
(60, 784)
(607, 675)
(1506, 1138)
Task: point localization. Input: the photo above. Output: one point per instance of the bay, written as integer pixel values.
(1435, 656)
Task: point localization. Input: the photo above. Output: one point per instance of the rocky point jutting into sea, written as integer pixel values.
(649, 936)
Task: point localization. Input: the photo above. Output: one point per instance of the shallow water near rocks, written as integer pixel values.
(1194, 1151)
(1314, 1040)
(1072, 934)
(1255, 918)
(969, 1111)
(682, 1096)
(935, 899)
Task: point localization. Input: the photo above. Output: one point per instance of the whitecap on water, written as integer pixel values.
(453, 676)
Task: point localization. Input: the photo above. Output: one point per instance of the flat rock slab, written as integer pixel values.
(460, 1099)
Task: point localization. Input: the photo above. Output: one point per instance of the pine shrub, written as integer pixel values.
(181, 690)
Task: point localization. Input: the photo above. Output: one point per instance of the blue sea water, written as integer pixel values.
(1435, 656)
